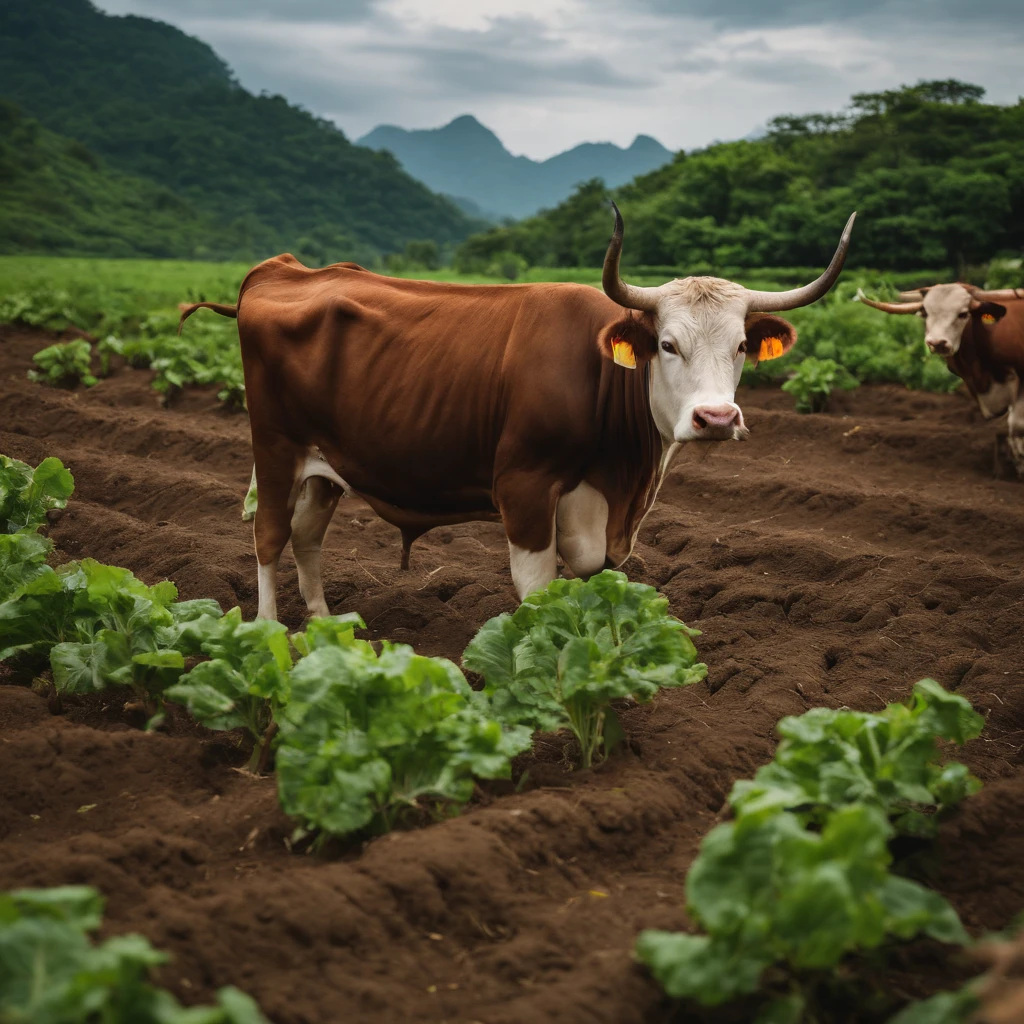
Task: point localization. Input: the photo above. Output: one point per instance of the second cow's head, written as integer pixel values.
(696, 333)
(946, 309)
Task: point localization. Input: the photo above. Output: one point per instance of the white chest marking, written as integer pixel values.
(581, 523)
(999, 397)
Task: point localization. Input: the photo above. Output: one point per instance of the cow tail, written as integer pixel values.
(223, 308)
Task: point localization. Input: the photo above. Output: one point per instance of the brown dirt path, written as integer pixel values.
(830, 560)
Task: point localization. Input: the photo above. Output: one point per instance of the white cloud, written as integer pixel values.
(546, 74)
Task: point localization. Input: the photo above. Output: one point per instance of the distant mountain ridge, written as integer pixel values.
(466, 160)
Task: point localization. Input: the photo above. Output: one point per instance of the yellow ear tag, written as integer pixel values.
(987, 318)
(771, 348)
(623, 354)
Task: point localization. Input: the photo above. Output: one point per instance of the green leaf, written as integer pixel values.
(365, 737)
(572, 648)
(911, 909)
(943, 1008)
(51, 973)
(80, 667)
(828, 759)
(696, 967)
(22, 559)
(220, 697)
(27, 494)
(784, 1010)
(250, 504)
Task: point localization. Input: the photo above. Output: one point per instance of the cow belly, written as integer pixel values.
(581, 525)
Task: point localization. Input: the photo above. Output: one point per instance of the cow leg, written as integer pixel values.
(272, 524)
(581, 524)
(1015, 431)
(314, 507)
(527, 504)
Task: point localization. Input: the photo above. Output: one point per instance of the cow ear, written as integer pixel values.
(630, 342)
(990, 312)
(768, 337)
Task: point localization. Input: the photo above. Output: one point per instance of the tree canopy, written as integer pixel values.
(936, 175)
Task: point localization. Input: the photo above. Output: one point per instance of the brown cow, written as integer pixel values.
(443, 403)
(980, 334)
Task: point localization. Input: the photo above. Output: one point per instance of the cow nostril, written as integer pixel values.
(699, 423)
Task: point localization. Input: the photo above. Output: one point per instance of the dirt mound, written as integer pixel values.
(830, 560)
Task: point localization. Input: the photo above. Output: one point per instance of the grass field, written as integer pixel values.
(135, 301)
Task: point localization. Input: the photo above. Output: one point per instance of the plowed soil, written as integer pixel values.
(829, 560)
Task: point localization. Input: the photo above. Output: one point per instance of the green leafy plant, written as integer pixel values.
(51, 972)
(768, 890)
(22, 559)
(245, 682)
(27, 494)
(814, 380)
(101, 626)
(829, 758)
(365, 739)
(569, 650)
(64, 364)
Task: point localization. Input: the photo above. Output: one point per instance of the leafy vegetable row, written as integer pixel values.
(800, 878)
(361, 737)
(207, 354)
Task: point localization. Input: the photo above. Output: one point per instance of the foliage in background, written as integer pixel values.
(64, 364)
(52, 972)
(572, 648)
(934, 173)
(814, 380)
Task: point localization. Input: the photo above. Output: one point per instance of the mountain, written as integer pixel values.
(155, 104)
(934, 173)
(468, 160)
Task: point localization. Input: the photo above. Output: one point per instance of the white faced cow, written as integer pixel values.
(980, 334)
(553, 408)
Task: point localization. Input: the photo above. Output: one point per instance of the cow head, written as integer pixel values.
(696, 333)
(946, 309)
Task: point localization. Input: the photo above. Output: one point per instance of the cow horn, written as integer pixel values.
(917, 295)
(628, 295)
(996, 294)
(772, 302)
(890, 307)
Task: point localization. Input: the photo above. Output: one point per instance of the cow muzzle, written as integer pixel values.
(718, 422)
(939, 346)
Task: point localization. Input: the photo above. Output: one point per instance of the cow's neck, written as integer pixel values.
(629, 462)
(975, 366)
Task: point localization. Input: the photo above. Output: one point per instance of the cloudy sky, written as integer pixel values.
(547, 74)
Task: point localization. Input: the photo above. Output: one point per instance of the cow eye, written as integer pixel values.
(961, 316)
(667, 346)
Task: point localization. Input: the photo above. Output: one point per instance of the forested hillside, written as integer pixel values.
(56, 196)
(154, 103)
(936, 174)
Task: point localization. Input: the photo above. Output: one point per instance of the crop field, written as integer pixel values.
(831, 561)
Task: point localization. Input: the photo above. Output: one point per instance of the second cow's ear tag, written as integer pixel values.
(623, 354)
(771, 348)
(987, 318)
